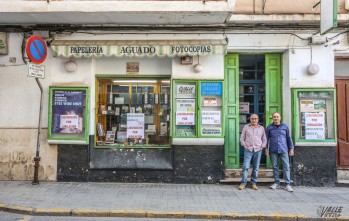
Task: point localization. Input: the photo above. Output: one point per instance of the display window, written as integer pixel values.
(68, 116)
(133, 112)
(197, 109)
(315, 115)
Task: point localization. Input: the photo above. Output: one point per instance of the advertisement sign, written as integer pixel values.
(211, 117)
(244, 107)
(135, 125)
(211, 88)
(210, 101)
(185, 105)
(186, 91)
(307, 105)
(69, 121)
(211, 131)
(67, 111)
(315, 126)
(185, 118)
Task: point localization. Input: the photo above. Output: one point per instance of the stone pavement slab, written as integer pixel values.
(198, 201)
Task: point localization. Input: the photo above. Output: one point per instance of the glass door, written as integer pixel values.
(251, 92)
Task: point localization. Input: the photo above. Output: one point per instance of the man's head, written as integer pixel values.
(276, 118)
(254, 119)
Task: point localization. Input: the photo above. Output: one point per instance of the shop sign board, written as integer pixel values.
(315, 126)
(35, 70)
(135, 125)
(36, 49)
(3, 43)
(328, 16)
(185, 118)
(138, 48)
(211, 117)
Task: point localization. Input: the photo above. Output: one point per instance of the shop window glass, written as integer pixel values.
(315, 115)
(185, 109)
(67, 114)
(133, 112)
(198, 109)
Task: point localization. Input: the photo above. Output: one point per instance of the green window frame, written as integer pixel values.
(207, 109)
(314, 116)
(68, 115)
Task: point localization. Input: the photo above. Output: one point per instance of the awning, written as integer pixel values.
(141, 48)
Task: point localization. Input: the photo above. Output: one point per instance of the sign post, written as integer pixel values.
(37, 51)
(328, 17)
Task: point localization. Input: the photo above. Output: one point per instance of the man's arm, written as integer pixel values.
(289, 142)
(267, 143)
(243, 137)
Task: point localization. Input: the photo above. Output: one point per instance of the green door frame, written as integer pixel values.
(273, 102)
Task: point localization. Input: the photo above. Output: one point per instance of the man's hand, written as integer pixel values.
(291, 153)
(266, 152)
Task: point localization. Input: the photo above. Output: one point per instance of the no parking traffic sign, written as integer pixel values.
(36, 49)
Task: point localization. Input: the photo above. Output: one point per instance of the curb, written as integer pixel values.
(157, 214)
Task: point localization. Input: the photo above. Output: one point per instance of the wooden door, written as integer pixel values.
(273, 89)
(342, 87)
(231, 138)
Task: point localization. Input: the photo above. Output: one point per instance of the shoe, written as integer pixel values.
(241, 187)
(289, 188)
(274, 186)
(254, 186)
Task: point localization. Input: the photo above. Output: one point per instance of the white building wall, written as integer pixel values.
(19, 117)
(20, 95)
(297, 54)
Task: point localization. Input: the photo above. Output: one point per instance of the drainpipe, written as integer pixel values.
(37, 155)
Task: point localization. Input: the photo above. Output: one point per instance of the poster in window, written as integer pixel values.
(67, 111)
(307, 105)
(186, 91)
(319, 105)
(210, 101)
(185, 118)
(211, 117)
(185, 105)
(244, 107)
(315, 126)
(135, 125)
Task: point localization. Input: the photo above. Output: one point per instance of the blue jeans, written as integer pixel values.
(256, 158)
(285, 167)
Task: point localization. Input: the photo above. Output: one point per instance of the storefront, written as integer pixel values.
(275, 78)
(153, 111)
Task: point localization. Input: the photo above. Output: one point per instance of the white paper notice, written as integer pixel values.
(315, 126)
(135, 125)
(211, 117)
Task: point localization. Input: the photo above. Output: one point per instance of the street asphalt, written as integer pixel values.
(187, 201)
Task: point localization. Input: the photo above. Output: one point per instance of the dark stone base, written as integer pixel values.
(198, 164)
(314, 166)
(187, 164)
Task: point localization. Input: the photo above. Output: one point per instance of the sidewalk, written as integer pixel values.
(206, 201)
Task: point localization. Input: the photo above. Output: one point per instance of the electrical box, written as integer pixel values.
(318, 39)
